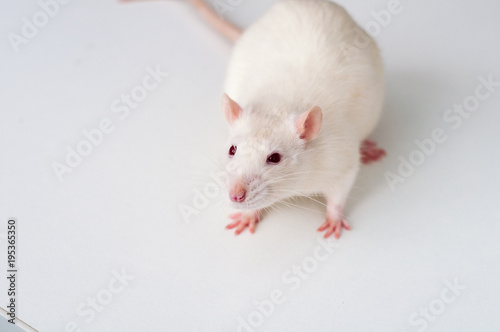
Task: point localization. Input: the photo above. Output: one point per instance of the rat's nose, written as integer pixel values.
(238, 198)
(238, 193)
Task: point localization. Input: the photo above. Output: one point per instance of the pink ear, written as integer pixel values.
(308, 124)
(232, 110)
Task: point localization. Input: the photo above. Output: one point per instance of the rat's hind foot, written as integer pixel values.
(333, 224)
(243, 220)
(370, 152)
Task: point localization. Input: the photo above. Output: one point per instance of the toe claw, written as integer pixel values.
(328, 233)
(324, 226)
(233, 224)
(337, 232)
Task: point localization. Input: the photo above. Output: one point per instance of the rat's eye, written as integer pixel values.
(274, 158)
(232, 151)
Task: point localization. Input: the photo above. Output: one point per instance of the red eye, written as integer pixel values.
(274, 158)
(232, 150)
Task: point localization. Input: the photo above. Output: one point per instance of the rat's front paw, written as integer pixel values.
(243, 220)
(333, 224)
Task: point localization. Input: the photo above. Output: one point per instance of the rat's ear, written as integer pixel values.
(308, 124)
(231, 109)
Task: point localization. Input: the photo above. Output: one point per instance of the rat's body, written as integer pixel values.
(304, 89)
(299, 55)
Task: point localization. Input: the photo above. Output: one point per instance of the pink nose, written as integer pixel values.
(239, 198)
(238, 193)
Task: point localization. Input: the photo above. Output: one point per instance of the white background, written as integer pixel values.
(119, 209)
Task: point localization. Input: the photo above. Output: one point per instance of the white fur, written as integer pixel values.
(293, 58)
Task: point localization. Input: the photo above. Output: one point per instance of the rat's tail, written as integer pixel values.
(227, 29)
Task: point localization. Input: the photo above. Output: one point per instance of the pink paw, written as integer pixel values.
(370, 152)
(332, 225)
(243, 220)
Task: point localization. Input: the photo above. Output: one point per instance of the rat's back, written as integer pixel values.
(302, 53)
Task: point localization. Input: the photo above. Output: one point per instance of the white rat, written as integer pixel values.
(304, 89)
(299, 104)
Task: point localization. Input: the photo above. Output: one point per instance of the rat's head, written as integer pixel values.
(265, 152)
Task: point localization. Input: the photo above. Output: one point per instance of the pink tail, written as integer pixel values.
(227, 29)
